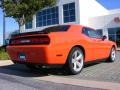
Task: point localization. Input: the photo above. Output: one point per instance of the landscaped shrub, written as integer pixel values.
(3, 54)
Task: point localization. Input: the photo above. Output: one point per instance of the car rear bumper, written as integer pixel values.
(35, 54)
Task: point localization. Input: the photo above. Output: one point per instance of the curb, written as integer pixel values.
(5, 62)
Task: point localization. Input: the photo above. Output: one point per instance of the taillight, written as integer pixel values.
(40, 40)
(30, 40)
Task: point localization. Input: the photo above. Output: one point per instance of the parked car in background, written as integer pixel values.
(69, 45)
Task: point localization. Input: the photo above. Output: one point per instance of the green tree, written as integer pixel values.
(23, 10)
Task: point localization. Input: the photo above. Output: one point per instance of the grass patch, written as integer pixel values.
(3, 54)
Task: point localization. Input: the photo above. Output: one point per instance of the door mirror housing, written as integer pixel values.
(104, 37)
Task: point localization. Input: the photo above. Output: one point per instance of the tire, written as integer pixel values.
(75, 61)
(112, 55)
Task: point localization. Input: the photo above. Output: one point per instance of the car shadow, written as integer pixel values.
(23, 71)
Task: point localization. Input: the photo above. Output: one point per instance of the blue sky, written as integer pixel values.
(11, 24)
(110, 4)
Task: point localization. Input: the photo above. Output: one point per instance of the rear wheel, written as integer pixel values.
(112, 55)
(75, 61)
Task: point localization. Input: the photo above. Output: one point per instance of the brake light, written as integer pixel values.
(40, 41)
(30, 41)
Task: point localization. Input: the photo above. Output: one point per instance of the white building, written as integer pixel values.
(85, 12)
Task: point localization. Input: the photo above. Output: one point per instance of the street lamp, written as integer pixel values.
(4, 29)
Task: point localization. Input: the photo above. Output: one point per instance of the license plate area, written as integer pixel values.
(22, 56)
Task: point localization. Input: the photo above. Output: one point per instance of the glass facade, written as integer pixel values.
(69, 12)
(114, 35)
(47, 17)
(28, 25)
(50, 16)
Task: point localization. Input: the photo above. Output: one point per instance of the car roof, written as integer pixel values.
(81, 26)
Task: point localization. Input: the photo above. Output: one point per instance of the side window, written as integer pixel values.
(100, 31)
(86, 31)
(99, 35)
(95, 34)
(91, 33)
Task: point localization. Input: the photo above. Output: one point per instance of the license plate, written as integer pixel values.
(22, 56)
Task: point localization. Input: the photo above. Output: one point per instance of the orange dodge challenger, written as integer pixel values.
(69, 45)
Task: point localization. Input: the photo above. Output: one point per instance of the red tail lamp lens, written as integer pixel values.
(30, 40)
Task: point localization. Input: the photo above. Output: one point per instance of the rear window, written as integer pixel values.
(60, 28)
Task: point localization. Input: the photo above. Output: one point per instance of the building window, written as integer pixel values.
(47, 17)
(28, 25)
(114, 35)
(69, 12)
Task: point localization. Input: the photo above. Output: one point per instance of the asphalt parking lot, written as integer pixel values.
(102, 71)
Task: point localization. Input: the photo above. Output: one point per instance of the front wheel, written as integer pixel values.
(75, 61)
(112, 55)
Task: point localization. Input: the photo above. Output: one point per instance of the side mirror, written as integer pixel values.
(104, 37)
